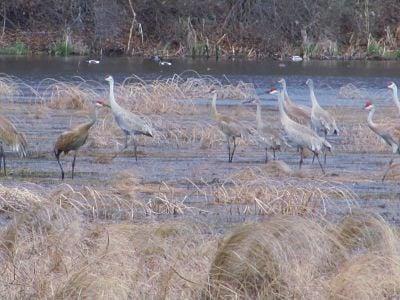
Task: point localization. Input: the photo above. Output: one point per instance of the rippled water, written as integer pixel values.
(370, 77)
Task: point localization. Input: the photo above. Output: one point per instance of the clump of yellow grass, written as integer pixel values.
(67, 95)
(292, 257)
(257, 193)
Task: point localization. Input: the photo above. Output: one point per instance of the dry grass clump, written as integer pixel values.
(350, 91)
(126, 183)
(175, 94)
(359, 138)
(259, 194)
(281, 258)
(65, 95)
(9, 87)
(292, 257)
(103, 261)
(98, 204)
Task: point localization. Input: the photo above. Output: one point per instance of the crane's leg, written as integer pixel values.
(266, 154)
(322, 168)
(126, 142)
(324, 157)
(135, 147)
(274, 150)
(59, 163)
(3, 158)
(229, 149)
(313, 159)
(301, 157)
(123, 148)
(387, 169)
(73, 164)
(234, 147)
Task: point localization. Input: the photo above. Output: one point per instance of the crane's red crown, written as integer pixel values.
(102, 103)
(368, 103)
(272, 91)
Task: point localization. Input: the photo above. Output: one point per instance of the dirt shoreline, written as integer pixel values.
(23, 43)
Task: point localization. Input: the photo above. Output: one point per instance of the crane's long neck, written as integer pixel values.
(396, 98)
(314, 101)
(214, 112)
(258, 117)
(113, 103)
(284, 117)
(371, 123)
(285, 93)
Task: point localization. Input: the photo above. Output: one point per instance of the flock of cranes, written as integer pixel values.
(302, 127)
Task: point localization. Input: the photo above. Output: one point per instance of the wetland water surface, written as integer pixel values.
(187, 162)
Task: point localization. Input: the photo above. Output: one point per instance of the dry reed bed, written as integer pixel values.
(46, 256)
(261, 194)
(52, 251)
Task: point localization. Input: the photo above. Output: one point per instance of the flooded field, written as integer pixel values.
(182, 191)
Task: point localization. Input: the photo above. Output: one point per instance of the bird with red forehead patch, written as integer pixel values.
(102, 103)
(368, 104)
(388, 132)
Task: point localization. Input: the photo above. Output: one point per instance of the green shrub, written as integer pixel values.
(19, 48)
(61, 48)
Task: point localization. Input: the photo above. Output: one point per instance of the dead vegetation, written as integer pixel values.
(292, 257)
(257, 193)
(49, 250)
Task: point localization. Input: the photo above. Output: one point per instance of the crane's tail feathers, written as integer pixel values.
(20, 145)
(336, 132)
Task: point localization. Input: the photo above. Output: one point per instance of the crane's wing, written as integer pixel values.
(133, 123)
(11, 137)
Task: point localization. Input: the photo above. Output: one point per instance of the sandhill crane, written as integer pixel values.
(299, 113)
(11, 137)
(299, 135)
(321, 120)
(267, 136)
(73, 139)
(393, 87)
(130, 123)
(231, 128)
(389, 132)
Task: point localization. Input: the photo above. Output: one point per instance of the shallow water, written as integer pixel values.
(370, 77)
(359, 172)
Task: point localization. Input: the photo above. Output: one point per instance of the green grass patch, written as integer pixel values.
(61, 48)
(19, 48)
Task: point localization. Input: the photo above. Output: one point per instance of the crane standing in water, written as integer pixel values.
(73, 139)
(299, 113)
(299, 135)
(389, 132)
(267, 136)
(321, 120)
(227, 125)
(130, 123)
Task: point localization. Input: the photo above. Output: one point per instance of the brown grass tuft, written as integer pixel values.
(292, 257)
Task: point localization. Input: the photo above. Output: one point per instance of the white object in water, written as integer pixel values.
(93, 61)
(296, 58)
(165, 63)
